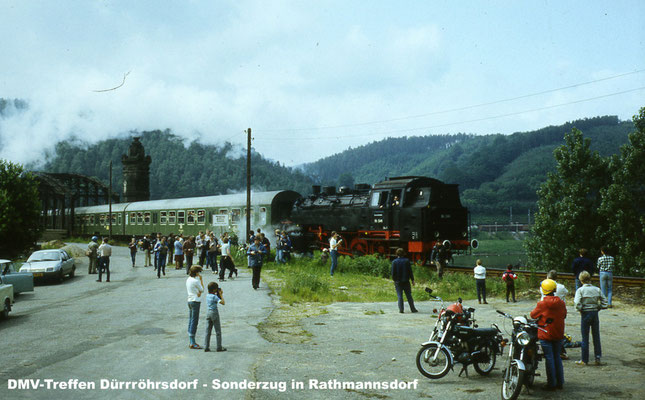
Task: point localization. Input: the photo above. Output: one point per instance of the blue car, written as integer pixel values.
(21, 281)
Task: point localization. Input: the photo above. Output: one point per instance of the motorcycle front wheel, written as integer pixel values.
(433, 368)
(488, 361)
(512, 384)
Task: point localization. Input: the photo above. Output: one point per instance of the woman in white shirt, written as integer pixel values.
(195, 288)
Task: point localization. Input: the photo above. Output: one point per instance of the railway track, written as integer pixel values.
(562, 276)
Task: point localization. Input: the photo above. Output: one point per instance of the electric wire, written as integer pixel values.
(457, 108)
(372, 134)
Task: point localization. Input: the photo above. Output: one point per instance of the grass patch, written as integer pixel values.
(366, 279)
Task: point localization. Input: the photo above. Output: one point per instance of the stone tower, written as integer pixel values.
(136, 173)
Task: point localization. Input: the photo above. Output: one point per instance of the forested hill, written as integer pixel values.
(177, 171)
(495, 172)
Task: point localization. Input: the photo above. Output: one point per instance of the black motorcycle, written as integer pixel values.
(456, 339)
(524, 356)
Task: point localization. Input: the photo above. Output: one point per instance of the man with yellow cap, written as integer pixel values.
(551, 307)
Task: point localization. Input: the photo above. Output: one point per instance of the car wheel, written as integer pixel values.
(71, 274)
(5, 310)
(60, 276)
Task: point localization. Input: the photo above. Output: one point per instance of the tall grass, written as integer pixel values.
(366, 279)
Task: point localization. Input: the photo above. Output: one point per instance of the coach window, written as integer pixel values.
(113, 219)
(139, 218)
(172, 219)
(181, 217)
(146, 217)
(201, 217)
(120, 219)
(133, 218)
(235, 216)
(190, 219)
(102, 219)
(163, 217)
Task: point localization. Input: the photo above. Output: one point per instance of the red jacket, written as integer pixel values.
(551, 307)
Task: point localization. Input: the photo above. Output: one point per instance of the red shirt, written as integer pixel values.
(551, 307)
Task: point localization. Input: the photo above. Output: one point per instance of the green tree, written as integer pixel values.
(346, 179)
(568, 204)
(20, 225)
(623, 203)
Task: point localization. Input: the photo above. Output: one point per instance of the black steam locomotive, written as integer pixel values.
(409, 212)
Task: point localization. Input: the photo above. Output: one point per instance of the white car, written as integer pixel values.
(6, 295)
(55, 263)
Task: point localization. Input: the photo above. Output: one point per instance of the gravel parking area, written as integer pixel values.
(363, 342)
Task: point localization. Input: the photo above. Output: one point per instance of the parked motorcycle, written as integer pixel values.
(523, 357)
(457, 339)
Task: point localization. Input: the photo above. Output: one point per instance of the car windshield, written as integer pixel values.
(44, 256)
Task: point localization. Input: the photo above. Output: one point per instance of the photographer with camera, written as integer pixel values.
(213, 298)
(334, 242)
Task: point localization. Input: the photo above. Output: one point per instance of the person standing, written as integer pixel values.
(179, 253)
(606, 267)
(434, 258)
(509, 278)
(588, 301)
(195, 288)
(133, 249)
(189, 251)
(581, 263)
(551, 307)
(213, 298)
(255, 253)
(105, 251)
(170, 242)
(213, 251)
(145, 246)
(334, 242)
(560, 291)
(402, 275)
(93, 255)
(161, 249)
(226, 261)
(480, 279)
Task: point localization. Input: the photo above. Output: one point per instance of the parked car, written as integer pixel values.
(55, 263)
(21, 281)
(6, 295)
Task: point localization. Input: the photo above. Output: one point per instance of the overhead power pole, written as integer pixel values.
(110, 202)
(248, 184)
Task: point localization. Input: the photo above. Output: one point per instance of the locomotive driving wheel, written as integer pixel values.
(358, 246)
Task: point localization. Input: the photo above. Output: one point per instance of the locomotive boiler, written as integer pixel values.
(410, 212)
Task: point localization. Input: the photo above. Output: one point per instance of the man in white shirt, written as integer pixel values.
(105, 251)
(560, 290)
(195, 288)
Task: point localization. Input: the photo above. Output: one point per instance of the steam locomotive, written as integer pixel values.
(410, 212)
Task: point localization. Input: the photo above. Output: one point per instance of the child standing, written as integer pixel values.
(213, 298)
(480, 278)
(509, 277)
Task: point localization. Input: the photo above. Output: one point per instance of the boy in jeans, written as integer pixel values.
(212, 299)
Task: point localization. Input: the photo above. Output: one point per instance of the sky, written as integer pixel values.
(311, 78)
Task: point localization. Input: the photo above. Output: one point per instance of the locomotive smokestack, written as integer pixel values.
(315, 190)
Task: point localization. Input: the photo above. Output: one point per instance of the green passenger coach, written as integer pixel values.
(188, 216)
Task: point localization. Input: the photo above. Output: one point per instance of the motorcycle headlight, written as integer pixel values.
(523, 338)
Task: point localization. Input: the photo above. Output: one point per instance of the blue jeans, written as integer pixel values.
(278, 256)
(211, 260)
(193, 319)
(606, 280)
(161, 265)
(334, 261)
(553, 362)
(400, 288)
(589, 319)
(212, 317)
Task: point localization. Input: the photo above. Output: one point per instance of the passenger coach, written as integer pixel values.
(188, 216)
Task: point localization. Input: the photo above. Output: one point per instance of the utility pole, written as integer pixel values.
(110, 203)
(248, 184)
